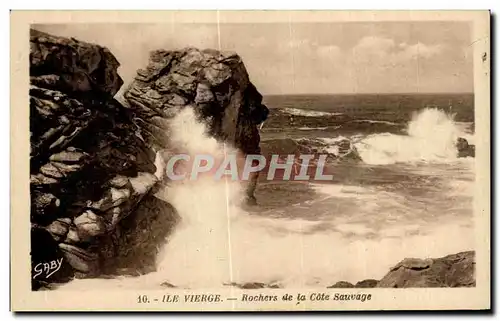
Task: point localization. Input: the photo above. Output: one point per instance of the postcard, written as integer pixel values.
(250, 160)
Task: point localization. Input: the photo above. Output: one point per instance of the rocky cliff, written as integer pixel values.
(92, 157)
(215, 83)
(89, 170)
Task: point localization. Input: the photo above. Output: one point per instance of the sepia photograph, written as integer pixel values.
(285, 160)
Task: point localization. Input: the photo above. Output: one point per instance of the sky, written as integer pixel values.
(302, 58)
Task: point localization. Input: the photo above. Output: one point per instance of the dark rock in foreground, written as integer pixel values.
(455, 270)
(88, 168)
(133, 247)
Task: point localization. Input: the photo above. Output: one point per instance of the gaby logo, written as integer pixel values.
(237, 167)
(46, 269)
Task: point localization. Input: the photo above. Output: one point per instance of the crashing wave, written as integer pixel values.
(308, 113)
(312, 128)
(390, 123)
(432, 135)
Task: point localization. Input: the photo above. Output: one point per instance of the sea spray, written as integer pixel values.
(431, 136)
(198, 253)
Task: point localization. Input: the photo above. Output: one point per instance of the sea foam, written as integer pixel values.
(431, 136)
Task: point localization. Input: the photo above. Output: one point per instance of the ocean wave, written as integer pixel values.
(312, 128)
(390, 123)
(431, 137)
(333, 140)
(308, 113)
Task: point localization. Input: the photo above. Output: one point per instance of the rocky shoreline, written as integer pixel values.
(93, 158)
(455, 270)
(93, 175)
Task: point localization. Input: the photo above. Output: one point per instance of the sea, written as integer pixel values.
(410, 196)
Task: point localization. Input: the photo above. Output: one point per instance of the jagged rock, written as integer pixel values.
(143, 182)
(193, 77)
(59, 228)
(78, 141)
(318, 151)
(135, 241)
(89, 224)
(341, 150)
(65, 169)
(79, 259)
(456, 270)
(344, 150)
(79, 65)
(116, 203)
(56, 120)
(203, 94)
(413, 264)
(43, 203)
(113, 197)
(40, 179)
(119, 181)
(72, 237)
(167, 285)
(464, 149)
(216, 74)
(369, 283)
(341, 284)
(69, 156)
(47, 81)
(215, 83)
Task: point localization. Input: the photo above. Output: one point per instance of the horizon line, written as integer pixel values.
(372, 93)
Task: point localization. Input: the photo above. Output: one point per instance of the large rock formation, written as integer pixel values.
(455, 270)
(215, 83)
(93, 157)
(89, 169)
